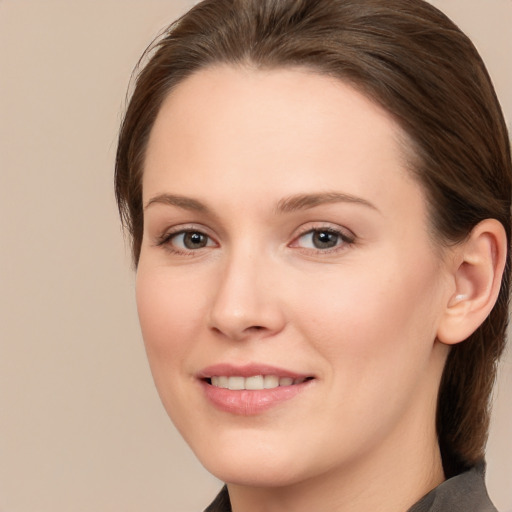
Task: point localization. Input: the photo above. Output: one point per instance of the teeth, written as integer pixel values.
(270, 381)
(255, 382)
(220, 382)
(236, 383)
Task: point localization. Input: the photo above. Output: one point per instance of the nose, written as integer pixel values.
(246, 303)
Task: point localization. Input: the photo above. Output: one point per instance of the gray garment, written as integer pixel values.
(462, 493)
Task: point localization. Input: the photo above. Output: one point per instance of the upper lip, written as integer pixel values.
(248, 370)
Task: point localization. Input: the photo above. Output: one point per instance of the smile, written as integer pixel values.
(254, 382)
(251, 389)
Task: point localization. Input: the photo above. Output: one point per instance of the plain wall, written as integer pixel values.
(81, 426)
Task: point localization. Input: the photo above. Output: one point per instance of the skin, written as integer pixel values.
(361, 317)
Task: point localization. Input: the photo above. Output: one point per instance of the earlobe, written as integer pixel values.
(477, 273)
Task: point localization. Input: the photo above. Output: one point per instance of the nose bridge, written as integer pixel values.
(245, 302)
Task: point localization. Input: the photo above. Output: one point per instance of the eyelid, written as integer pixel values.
(346, 235)
(166, 237)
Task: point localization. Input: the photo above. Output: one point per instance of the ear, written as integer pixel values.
(477, 272)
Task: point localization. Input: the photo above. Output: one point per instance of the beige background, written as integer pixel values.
(81, 427)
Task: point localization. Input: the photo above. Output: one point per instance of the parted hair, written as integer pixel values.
(409, 58)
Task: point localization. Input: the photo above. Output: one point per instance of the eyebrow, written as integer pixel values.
(285, 205)
(305, 201)
(184, 202)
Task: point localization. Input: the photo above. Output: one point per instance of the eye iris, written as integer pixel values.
(194, 240)
(324, 239)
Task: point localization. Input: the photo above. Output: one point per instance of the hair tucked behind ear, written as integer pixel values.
(412, 60)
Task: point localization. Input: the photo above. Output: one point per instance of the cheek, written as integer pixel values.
(376, 332)
(169, 314)
(377, 315)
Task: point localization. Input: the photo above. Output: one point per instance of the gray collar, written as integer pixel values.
(462, 493)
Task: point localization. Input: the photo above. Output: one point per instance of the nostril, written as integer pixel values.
(254, 329)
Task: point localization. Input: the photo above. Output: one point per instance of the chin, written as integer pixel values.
(254, 475)
(261, 466)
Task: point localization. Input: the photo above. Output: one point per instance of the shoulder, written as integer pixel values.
(462, 493)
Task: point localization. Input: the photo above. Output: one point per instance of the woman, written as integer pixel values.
(318, 195)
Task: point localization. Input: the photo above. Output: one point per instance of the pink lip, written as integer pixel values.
(247, 370)
(249, 402)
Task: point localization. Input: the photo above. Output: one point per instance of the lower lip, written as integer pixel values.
(251, 402)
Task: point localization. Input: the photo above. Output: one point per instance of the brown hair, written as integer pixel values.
(412, 60)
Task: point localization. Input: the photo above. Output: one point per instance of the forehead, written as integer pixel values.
(240, 129)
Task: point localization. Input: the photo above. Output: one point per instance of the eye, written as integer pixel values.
(323, 239)
(187, 240)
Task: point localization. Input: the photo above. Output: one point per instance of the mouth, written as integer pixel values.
(253, 382)
(252, 389)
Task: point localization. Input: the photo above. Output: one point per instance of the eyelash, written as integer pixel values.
(344, 241)
(166, 241)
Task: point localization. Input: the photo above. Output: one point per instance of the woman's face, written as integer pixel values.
(288, 289)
